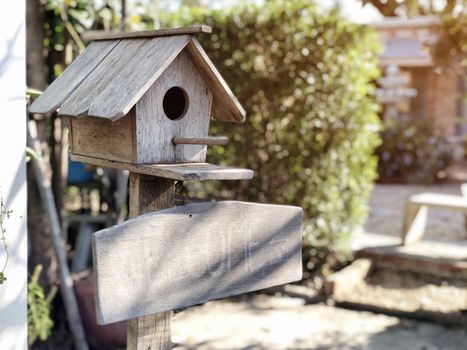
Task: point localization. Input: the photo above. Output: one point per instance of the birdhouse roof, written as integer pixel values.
(116, 70)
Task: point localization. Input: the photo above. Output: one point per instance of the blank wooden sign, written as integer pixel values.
(187, 255)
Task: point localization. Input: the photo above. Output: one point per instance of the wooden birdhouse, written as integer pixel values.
(142, 102)
(142, 98)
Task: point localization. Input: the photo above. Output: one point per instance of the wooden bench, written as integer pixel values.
(416, 211)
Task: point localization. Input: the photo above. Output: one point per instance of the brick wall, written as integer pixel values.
(442, 100)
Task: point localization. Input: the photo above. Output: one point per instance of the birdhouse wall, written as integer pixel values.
(103, 138)
(191, 101)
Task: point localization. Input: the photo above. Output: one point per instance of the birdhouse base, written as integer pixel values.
(182, 172)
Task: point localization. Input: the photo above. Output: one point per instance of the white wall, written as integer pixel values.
(13, 318)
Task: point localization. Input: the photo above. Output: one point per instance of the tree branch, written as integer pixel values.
(71, 30)
(386, 8)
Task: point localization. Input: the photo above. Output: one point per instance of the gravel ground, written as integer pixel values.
(387, 209)
(265, 322)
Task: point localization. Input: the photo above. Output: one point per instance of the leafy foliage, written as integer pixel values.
(411, 152)
(411, 8)
(66, 21)
(4, 213)
(454, 40)
(304, 77)
(39, 321)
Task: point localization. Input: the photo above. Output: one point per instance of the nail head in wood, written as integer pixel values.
(212, 140)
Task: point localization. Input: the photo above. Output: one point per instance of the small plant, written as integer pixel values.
(39, 321)
(4, 213)
(411, 152)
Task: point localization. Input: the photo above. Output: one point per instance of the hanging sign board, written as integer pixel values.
(190, 254)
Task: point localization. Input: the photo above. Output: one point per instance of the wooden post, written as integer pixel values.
(147, 194)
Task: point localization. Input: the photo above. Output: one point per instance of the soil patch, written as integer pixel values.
(265, 322)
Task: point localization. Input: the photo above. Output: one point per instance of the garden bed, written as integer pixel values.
(408, 294)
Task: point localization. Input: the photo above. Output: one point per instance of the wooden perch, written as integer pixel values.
(212, 140)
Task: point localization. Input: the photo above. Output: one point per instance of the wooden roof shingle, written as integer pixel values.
(111, 75)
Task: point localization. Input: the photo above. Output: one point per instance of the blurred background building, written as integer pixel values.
(409, 44)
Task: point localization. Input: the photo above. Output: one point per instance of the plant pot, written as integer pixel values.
(100, 337)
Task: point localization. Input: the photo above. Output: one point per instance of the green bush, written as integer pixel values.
(304, 78)
(411, 152)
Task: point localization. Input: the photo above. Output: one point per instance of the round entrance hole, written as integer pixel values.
(175, 103)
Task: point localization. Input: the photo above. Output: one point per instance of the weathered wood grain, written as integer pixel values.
(123, 77)
(72, 76)
(194, 253)
(183, 172)
(150, 332)
(102, 138)
(225, 106)
(111, 76)
(148, 194)
(105, 35)
(155, 131)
